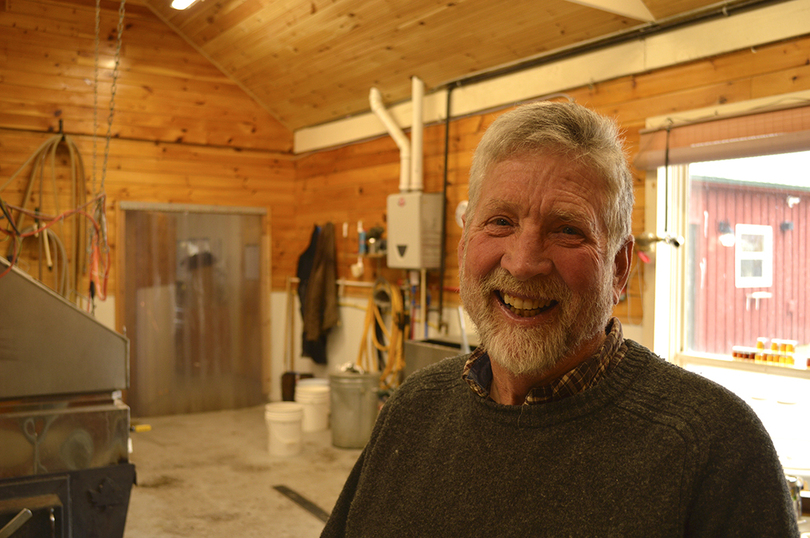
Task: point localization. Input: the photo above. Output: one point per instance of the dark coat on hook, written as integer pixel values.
(317, 290)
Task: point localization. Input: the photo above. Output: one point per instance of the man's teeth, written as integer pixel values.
(525, 307)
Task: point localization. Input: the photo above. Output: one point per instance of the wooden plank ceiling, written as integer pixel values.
(314, 61)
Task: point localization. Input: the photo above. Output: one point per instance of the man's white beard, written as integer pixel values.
(523, 350)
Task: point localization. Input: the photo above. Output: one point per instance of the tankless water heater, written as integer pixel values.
(415, 230)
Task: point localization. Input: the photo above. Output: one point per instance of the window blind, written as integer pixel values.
(763, 133)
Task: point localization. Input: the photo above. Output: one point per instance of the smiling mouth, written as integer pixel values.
(525, 308)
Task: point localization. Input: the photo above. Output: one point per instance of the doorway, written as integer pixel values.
(193, 307)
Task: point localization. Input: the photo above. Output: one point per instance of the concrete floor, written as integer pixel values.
(211, 475)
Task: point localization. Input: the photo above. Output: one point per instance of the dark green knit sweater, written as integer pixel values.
(652, 450)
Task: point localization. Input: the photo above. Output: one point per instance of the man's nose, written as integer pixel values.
(526, 257)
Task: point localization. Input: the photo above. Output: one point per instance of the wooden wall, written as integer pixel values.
(185, 133)
(182, 132)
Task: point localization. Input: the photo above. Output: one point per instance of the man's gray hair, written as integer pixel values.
(573, 131)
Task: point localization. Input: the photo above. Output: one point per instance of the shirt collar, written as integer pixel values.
(478, 370)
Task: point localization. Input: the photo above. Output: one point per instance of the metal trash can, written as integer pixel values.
(354, 404)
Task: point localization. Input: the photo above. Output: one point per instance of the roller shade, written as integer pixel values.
(764, 133)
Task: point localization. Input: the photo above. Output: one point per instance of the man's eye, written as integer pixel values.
(570, 230)
(498, 222)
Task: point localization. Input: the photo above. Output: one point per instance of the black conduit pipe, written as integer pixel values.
(442, 262)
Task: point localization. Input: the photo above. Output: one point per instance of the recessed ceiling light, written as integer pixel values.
(182, 4)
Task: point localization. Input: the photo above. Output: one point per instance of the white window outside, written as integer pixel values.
(753, 256)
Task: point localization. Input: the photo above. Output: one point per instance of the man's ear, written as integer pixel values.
(621, 267)
(461, 242)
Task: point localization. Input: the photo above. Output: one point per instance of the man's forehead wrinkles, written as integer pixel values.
(501, 203)
(559, 210)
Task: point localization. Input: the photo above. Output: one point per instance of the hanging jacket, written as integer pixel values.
(319, 309)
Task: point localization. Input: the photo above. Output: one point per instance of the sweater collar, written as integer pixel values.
(478, 370)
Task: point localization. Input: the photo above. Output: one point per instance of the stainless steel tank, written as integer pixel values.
(64, 430)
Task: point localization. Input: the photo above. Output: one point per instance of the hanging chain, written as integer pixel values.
(95, 92)
(100, 214)
(112, 91)
(113, 88)
(100, 244)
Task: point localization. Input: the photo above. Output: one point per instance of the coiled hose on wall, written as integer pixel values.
(383, 293)
(88, 249)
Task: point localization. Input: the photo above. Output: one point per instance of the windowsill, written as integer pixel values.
(781, 401)
(725, 361)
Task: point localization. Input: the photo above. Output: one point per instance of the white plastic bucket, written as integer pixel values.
(284, 427)
(314, 397)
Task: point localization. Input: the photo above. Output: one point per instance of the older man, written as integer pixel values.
(556, 425)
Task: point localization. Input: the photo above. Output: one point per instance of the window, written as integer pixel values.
(734, 182)
(746, 258)
(753, 256)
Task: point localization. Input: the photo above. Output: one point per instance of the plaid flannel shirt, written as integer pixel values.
(478, 371)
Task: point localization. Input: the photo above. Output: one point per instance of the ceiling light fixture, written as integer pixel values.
(182, 4)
